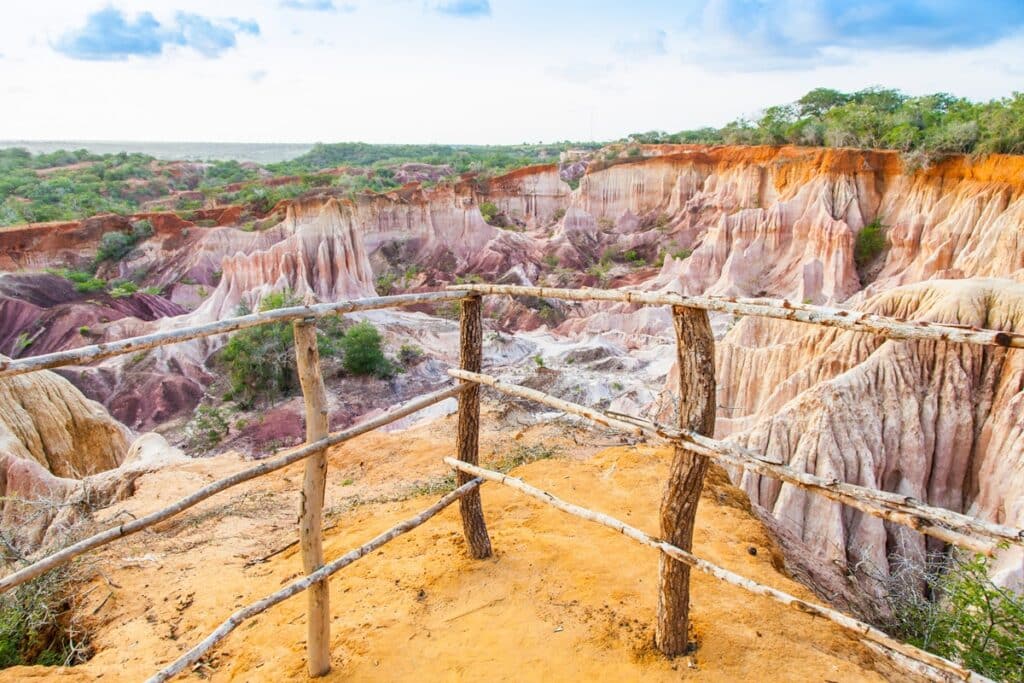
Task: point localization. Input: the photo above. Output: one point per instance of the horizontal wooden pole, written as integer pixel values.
(296, 587)
(847, 319)
(944, 524)
(89, 354)
(863, 630)
(104, 537)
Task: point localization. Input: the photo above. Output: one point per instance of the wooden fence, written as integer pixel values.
(691, 438)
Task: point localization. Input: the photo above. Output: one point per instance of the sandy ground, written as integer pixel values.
(562, 599)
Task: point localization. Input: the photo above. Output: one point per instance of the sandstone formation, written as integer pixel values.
(61, 457)
(937, 421)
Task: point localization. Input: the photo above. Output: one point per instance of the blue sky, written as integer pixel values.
(472, 70)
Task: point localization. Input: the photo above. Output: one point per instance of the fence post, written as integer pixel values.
(467, 439)
(311, 499)
(695, 348)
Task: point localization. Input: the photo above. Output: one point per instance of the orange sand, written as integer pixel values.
(562, 599)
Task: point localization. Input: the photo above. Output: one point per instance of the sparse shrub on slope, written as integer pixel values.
(963, 616)
(37, 624)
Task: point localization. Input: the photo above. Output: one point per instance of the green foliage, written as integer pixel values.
(410, 354)
(489, 211)
(969, 619)
(123, 289)
(114, 183)
(22, 342)
(634, 258)
(551, 261)
(539, 360)
(84, 330)
(226, 172)
(85, 283)
(884, 118)
(260, 361)
(869, 243)
(37, 626)
(206, 429)
(114, 246)
(386, 283)
(558, 215)
(462, 158)
(363, 354)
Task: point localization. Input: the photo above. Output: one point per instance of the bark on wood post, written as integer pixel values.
(311, 500)
(696, 355)
(467, 439)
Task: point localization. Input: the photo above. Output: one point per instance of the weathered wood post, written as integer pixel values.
(467, 439)
(696, 354)
(311, 500)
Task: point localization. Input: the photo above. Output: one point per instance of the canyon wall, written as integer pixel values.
(937, 421)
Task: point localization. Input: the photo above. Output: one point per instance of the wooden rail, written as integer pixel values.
(307, 582)
(946, 525)
(782, 309)
(266, 467)
(863, 630)
(89, 354)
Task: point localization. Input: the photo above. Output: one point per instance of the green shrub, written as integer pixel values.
(634, 258)
(260, 361)
(22, 342)
(90, 286)
(114, 246)
(489, 211)
(869, 243)
(84, 331)
(558, 215)
(123, 289)
(206, 429)
(37, 623)
(539, 360)
(968, 618)
(363, 354)
(410, 354)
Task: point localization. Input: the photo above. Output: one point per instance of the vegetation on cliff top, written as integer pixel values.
(874, 118)
(66, 185)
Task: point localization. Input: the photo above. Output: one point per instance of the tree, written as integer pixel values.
(820, 100)
(363, 354)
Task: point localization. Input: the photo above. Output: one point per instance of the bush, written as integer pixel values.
(206, 429)
(363, 355)
(260, 360)
(410, 354)
(114, 246)
(968, 618)
(489, 211)
(37, 624)
(123, 289)
(869, 243)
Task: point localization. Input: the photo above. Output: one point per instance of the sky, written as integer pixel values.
(472, 71)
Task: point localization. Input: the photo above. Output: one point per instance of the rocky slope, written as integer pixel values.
(61, 457)
(936, 421)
